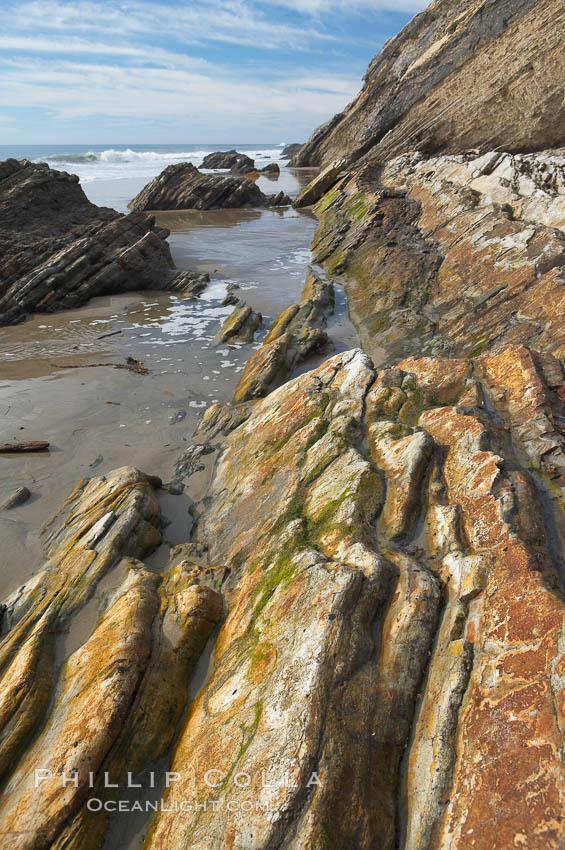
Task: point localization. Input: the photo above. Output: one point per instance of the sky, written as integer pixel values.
(202, 71)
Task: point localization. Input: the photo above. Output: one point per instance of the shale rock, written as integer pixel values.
(224, 159)
(183, 187)
(117, 698)
(323, 181)
(395, 619)
(58, 250)
(463, 74)
(449, 255)
(297, 333)
(390, 546)
(241, 325)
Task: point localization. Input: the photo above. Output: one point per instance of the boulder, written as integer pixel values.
(271, 170)
(183, 187)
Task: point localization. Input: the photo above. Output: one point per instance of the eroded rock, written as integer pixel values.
(406, 236)
(479, 666)
(241, 325)
(296, 333)
(390, 544)
(117, 698)
(58, 250)
(184, 187)
(461, 75)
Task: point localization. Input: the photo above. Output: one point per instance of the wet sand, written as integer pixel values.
(97, 417)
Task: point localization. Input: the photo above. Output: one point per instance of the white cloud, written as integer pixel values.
(316, 7)
(230, 21)
(80, 90)
(142, 60)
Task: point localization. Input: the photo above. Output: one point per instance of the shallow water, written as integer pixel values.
(97, 417)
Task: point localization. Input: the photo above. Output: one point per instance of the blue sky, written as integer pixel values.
(246, 71)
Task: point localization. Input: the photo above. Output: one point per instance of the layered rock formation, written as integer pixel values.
(115, 700)
(57, 250)
(184, 187)
(392, 664)
(450, 255)
(289, 150)
(293, 336)
(462, 74)
(241, 325)
(391, 668)
(381, 547)
(227, 160)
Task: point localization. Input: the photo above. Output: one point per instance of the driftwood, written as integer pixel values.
(26, 446)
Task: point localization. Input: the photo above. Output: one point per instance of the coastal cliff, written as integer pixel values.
(462, 74)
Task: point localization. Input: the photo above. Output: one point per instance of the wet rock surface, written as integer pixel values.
(184, 187)
(461, 75)
(58, 250)
(241, 325)
(293, 336)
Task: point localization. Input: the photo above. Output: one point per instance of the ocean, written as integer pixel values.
(114, 162)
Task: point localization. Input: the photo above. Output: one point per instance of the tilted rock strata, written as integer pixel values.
(437, 258)
(241, 325)
(58, 250)
(408, 672)
(463, 74)
(289, 150)
(321, 183)
(184, 187)
(118, 697)
(293, 336)
(225, 160)
(392, 664)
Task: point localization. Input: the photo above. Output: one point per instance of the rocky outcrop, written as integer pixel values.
(395, 631)
(271, 170)
(452, 255)
(241, 325)
(463, 74)
(243, 165)
(57, 250)
(389, 546)
(183, 187)
(289, 150)
(297, 333)
(226, 160)
(115, 701)
(321, 183)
